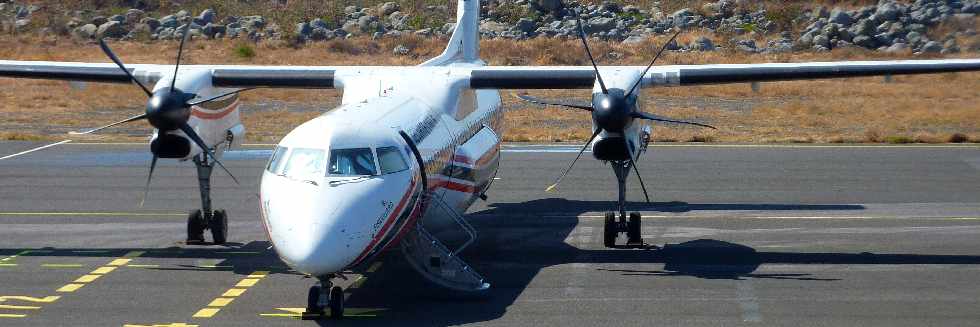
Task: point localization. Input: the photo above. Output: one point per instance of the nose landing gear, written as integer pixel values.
(200, 220)
(321, 297)
(630, 225)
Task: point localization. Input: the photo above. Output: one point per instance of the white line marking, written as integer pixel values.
(35, 149)
(747, 300)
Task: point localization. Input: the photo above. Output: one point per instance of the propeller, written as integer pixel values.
(167, 109)
(569, 168)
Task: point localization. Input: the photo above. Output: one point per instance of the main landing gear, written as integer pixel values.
(630, 225)
(324, 296)
(204, 219)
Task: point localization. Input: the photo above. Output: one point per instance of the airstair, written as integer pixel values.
(436, 261)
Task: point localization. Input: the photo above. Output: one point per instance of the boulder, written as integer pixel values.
(401, 50)
(950, 46)
(747, 46)
(321, 34)
(525, 25)
(389, 7)
(252, 23)
(703, 44)
(169, 21)
(888, 11)
(553, 6)
(151, 22)
(99, 20)
(600, 24)
(118, 18)
(111, 29)
(932, 47)
(86, 31)
(303, 29)
(207, 16)
(821, 41)
(319, 23)
(839, 16)
(865, 41)
(134, 15)
(212, 30)
(897, 48)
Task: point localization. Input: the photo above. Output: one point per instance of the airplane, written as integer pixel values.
(409, 148)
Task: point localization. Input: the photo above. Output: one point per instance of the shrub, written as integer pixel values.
(244, 50)
(958, 138)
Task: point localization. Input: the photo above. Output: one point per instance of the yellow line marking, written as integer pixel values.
(233, 292)
(8, 264)
(206, 313)
(120, 262)
(18, 307)
(133, 254)
(46, 299)
(247, 282)
(105, 214)
(62, 265)
(103, 270)
(70, 288)
(374, 267)
(87, 278)
(15, 255)
(258, 274)
(220, 302)
(7, 315)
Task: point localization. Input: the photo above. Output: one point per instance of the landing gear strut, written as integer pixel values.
(200, 220)
(630, 225)
(322, 296)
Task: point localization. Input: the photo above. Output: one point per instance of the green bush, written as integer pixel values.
(244, 50)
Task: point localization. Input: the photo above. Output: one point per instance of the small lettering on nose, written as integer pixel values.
(381, 219)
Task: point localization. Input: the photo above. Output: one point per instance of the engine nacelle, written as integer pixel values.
(170, 146)
(611, 149)
(236, 136)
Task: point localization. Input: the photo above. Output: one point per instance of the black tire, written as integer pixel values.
(336, 302)
(609, 230)
(313, 301)
(195, 227)
(633, 228)
(219, 227)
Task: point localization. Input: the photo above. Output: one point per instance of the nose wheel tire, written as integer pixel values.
(195, 227)
(609, 230)
(219, 227)
(633, 230)
(336, 302)
(313, 301)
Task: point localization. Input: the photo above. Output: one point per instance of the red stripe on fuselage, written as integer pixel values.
(384, 229)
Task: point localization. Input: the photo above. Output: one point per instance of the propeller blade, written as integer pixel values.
(581, 35)
(637, 170)
(561, 103)
(649, 116)
(112, 56)
(128, 120)
(569, 168)
(664, 47)
(146, 190)
(200, 143)
(217, 97)
(180, 52)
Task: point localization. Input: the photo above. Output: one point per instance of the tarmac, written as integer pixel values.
(773, 235)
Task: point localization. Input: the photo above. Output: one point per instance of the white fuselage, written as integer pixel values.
(343, 187)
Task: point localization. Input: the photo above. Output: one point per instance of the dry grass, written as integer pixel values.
(914, 108)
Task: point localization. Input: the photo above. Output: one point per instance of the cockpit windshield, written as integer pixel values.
(352, 162)
(304, 164)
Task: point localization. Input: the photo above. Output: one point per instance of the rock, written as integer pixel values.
(134, 15)
(207, 16)
(303, 29)
(932, 47)
(635, 39)
(212, 30)
(553, 6)
(99, 20)
(525, 25)
(839, 16)
(401, 50)
(86, 31)
(897, 48)
(600, 24)
(22, 24)
(321, 34)
(111, 29)
(169, 22)
(151, 22)
(350, 10)
(703, 44)
(914, 37)
(368, 24)
(252, 23)
(118, 18)
(389, 7)
(350, 27)
(166, 33)
(950, 47)
(747, 46)
(821, 41)
(864, 27)
(182, 14)
(319, 23)
(865, 41)
(887, 11)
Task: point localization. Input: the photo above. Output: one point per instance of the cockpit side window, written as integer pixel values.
(275, 163)
(391, 160)
(304, 164)
(352, 162)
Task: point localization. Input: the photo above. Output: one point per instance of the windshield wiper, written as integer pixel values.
(299, 180)
(352, 180)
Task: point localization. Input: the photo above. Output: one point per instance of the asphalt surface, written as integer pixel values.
(796, 235)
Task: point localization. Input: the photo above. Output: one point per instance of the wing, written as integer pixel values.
(503, 77)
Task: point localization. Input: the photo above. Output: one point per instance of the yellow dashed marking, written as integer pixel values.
(206, 313)
(247, 282)
(7, 315)
(8, 265)
(18, 307)
(177, 324)
(234, 292)
(120, 262)
(70, 288)
(220, 302)
(103, 270)
(46, 299)
(87, 278)
(228, 296)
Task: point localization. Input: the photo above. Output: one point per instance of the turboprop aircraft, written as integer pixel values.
(409, 149)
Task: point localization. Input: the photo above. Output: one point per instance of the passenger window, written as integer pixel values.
(354, 162)
(304, 164)
(391, 160)
(276, 160)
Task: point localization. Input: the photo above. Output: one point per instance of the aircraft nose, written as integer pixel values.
(308, 238)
